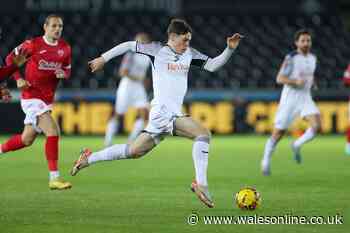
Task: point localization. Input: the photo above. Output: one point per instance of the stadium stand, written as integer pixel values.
(268, 39)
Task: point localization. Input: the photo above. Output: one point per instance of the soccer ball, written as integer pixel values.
(247, 198)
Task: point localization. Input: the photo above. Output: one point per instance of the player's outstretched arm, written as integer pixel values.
(7, 71)
(215, 63)
(17, 61)
(14, 61)
(99, 62)
(21, 58)
(18, 57)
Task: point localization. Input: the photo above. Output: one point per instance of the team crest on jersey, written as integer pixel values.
(60, 52)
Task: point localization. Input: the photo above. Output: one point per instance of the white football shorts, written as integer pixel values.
(130, 93)
(33, 108)
(161, 122)
(289, 109)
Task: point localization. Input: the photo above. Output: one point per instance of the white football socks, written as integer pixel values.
(269, 149)
(54, 174)
(138, 127)
(347, 148)
(307, 136)
(200, 152)
(115, 152)
(111, 130)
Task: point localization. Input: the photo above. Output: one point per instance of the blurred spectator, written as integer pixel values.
(240, 113)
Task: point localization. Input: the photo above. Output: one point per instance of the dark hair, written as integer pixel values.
(300, 32)
(179, 26)
(47, 19)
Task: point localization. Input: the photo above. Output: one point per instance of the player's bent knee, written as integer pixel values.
(203, 133)
(204, 138)
(277, 134)
(209, 133)
(27, 141)
(52, 132)
(136, 153)
(316, 127)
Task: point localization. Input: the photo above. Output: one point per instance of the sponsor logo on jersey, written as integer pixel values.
(178, 67)
(46, 65)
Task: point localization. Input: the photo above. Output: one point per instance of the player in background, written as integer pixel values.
(49, 62)
(6, 71)
(17, 62)
(170, 66)
(346, 79)
(131, 92)
(297, 77)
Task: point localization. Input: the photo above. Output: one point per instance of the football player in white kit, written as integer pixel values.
(170, 66)
(297, 77)
(131, 92)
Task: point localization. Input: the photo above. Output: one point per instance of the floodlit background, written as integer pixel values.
(237, 104)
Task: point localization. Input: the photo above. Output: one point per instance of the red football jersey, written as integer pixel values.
(7, 71)
(45, 59)
(346, 77)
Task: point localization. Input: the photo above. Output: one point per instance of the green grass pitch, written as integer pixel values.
(152, 194)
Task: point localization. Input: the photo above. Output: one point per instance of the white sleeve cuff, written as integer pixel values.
(215, 63)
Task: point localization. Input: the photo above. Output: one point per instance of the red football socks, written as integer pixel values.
(51, 150)
(14, 143)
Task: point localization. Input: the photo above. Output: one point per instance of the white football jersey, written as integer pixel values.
(299, 66)
(170, 72)
(136, 64)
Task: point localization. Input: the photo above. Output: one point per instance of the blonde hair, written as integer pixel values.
(47, 19)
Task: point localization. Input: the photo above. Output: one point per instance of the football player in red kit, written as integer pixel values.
(49, 62)
(6, 71)
(346, 79)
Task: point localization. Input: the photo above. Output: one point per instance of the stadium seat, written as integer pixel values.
(268, 38)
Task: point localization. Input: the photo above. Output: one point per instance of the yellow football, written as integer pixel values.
(248, 198)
